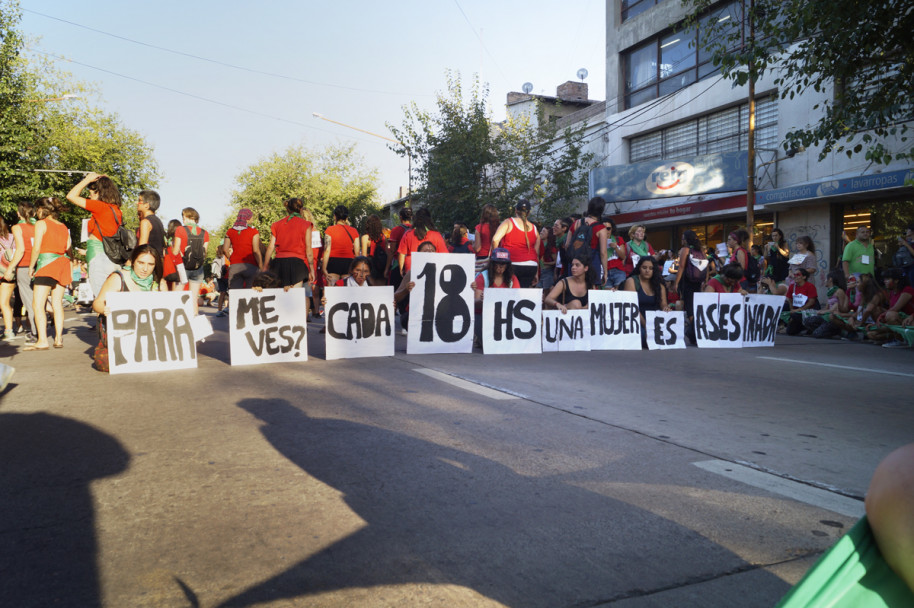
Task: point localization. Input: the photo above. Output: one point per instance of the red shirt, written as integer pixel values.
(410, 243)
(721, 288)
(617, 262)
(242, 245)
(808, 290)
(517, 246)
(28, 239)
(909, 307)
(182, 240)
(484, 235)
(341, 239)
(291, 237)
(101, 213)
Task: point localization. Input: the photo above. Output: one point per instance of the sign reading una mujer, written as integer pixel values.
(511, 321)
(267, 326)
(360, 322)
(615, 321)
(150, 331)
(719, 320)
(441, 303)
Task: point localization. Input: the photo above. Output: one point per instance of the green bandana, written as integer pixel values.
(145, 284)
(641, 250)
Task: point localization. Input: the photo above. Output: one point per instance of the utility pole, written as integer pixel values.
(750, 136)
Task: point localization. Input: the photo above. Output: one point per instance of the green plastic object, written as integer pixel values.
(852, 574)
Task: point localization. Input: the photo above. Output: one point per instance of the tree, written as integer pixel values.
(41, 133)
(464, 160)
(322, 178)
(863, 49)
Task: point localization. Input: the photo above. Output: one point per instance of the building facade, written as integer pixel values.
(676, 154)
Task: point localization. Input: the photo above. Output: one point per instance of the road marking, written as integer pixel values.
(785, 487)
(857, 369)
(474, 387)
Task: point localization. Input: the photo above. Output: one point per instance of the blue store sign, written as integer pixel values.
(724, 172)
(836, 187)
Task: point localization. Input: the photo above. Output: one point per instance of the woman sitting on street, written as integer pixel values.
(801, 296)
(646, 282)
(820, 325)
(573, 289)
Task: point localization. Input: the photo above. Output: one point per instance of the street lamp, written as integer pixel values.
(409, 154)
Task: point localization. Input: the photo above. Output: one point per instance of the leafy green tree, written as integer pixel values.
(43, 134)
(863, 49)
(322, 178)
(464, 160)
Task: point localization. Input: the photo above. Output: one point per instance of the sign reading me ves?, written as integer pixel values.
(267, 326)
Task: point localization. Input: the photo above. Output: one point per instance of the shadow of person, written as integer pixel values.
(47, 522)
(440, 515)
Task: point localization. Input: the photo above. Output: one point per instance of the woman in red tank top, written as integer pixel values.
(522, 240)
(50, 270)
(341, 244)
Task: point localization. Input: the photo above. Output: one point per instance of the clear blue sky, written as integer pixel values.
(364, 60)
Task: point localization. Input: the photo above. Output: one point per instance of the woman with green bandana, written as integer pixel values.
(49, 267)
(105, 207)
(637, 248)
(143, 274)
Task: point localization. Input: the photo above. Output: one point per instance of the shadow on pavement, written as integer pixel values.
(439, 515)
(48, 550)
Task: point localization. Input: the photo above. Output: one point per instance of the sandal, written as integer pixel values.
(58, 344)
(35, 347)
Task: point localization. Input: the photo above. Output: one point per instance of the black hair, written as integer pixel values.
(733, 271)
(595, 207)
(359, 260)
(266, 280)
(423, 223)
(147, 248)
(507, 277)
(406, 214)
(590, 275)
(151, 198)
(691, 238)
(656, 277)
(838, 279)
(607, 219)
(341, 213)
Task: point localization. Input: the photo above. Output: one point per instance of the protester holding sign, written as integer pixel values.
(646, 282)
(105, 207)
(406, 285)
(359, 273)
(423, 231)
(341, 244)
(573, 290)
(50, 269)
(498, 275)
(519, 236)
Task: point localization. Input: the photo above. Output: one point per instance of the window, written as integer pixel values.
(671, 61)
(724, 131)
(631, 8)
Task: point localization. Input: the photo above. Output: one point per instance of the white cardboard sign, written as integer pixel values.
(719, 319)
(512, 321)
(615, 322)
(360, 322)
(762, 314)
(150, 331)
(566, 332)
(664, 330)
(268, 326)
(441, 303)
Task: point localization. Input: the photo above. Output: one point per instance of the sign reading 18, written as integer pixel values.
(453, 281)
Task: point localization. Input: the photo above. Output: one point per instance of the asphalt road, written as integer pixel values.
(675, 478)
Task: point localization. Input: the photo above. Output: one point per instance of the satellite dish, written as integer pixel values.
(528, 86)
(582, 73)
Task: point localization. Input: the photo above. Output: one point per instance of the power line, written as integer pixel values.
(480, 40)
(223, 63)
(199, 97)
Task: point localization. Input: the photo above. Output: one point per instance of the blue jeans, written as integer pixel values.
(615, 278)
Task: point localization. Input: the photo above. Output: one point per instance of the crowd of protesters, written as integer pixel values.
(566, 259)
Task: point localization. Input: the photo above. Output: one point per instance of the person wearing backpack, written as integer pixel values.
(693, 270)
(737, 241)
(374, 247)
(190, 243)
(105, 206)
(588, 239)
